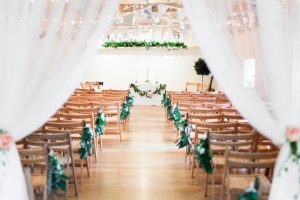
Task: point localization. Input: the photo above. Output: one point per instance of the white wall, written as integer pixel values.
(118, 68)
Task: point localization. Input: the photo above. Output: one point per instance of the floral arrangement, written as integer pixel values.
(56, 178)
(186, 128)
(100, 123)
(148, 93)
(86, 144)
(126, 106)
(5, 143)
(203, 154)
(147, 45)
(252, 192)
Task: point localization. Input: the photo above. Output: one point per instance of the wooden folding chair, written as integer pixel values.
(61, 141)
(35, 164)
(236, 179)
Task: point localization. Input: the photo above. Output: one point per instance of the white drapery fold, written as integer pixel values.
(223, 30)
(45, 48)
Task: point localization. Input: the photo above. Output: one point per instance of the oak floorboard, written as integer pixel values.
(146, 165)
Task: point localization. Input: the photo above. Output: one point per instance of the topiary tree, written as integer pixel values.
(201, 68)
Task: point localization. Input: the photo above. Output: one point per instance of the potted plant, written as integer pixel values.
(202, 69)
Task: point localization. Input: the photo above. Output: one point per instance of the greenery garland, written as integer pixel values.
(147, 45)
(204, 155)
(126, 107)
(86, 144)
(184, 140)
(148, 93)
(56, 179)
(100, 123)
(177, 117)
(252, 192)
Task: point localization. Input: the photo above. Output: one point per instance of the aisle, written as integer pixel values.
(145, 166)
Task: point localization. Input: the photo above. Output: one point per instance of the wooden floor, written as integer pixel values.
(146, 165)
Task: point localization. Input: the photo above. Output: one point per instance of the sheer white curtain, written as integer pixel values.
(223, 30)
(45, 49)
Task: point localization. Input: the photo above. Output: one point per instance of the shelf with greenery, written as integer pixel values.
(147, 45)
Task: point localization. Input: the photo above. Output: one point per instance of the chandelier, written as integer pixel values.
(242, 22)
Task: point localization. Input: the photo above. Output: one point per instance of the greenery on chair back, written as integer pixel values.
(204, 155)
(164, 99)
(252, 192)
(184, 139)
(56, 179)
(100, 123)
(147, 45)
(201, 68)
(126, 106)
(177, 117)
(169, 108)
(86, 144)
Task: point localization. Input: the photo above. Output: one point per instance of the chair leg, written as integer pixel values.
(193, 167)
(228, 194)
(96, 148)
(74, 175)
(81, 173)
(212, 187)
(101, 143)
(206, 184)
(88, 167)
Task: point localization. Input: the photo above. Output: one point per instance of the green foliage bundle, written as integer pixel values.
(201, 67)
(164, 100)
(177, 117)
(147, 45)
(204, 155)
(251, 193)
(56, 179)
(126, 107)
(184, 139)
(100, 123)
(86, 142)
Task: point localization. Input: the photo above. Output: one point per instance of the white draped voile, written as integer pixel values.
(273, 104)
(45, 49)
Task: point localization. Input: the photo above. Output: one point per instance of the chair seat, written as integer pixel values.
(218, 161)
(38, 180)
(241, 182)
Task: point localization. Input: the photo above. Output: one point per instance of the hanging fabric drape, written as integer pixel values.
(233, 33)
(45, 49)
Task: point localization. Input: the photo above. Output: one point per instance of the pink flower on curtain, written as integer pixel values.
(5, 141)
(293, 134)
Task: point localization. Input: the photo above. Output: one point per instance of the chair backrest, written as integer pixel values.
(204, 99)
(230, 127)
(205, 111)
(233, 117)
(94, 110)
(75, 128)
(79, 104)
(249, 160)
(180, 99)
(246, 141)
(193, 84)
(89, 118)
(217, 105)
(35, 156)
(216, 118)
(50, 139)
